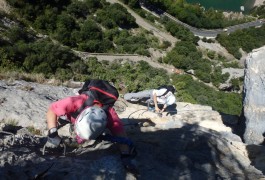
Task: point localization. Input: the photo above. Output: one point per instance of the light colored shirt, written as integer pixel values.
(163, 99)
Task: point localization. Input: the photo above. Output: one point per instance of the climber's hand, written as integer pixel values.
(54, 140)
(157, 110)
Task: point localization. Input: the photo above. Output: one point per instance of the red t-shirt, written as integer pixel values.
(71, 104)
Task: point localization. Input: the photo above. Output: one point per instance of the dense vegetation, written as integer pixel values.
(127, 76)
(97, 26)
(247, 39)
(20, 50)
(132, 77)
(179, 31)
(186, 56)
(92, 26)
(192, 14)
(195, 92)
(259, 11)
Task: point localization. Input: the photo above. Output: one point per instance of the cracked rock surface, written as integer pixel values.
(196, 143)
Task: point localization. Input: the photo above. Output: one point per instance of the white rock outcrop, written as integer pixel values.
(254, 96)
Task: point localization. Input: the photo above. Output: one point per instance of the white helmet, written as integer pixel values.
(91, 123)
(171, 100)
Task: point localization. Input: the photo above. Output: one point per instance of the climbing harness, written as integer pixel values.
(62, 122)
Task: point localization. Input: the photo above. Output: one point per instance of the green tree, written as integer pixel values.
(211, 54)
(78, 9)
(90, 31)
(64, 27)
(46, 22)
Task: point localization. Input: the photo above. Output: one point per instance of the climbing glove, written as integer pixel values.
(54, 140)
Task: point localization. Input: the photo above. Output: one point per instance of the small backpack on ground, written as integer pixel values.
(169, 88)
(98, 91)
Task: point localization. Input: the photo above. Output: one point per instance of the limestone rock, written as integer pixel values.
(192, 144)
(25, 103)
(254, 97)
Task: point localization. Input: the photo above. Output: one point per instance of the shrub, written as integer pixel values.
(34, 131)
(194, 92)
(211, 54)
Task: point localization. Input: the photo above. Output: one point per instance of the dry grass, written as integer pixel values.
(39, 78)
(11, 122)
(34, 131)
(11, 76)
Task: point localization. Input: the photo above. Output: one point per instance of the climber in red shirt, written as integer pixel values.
(89, 123)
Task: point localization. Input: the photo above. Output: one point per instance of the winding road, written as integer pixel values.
(204, 32)
(197, 32)
(164, 36)
(215, 32)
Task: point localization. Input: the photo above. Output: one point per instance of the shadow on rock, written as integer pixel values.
(188, 153)
(256, 154)
(236, 123)
(183, 153)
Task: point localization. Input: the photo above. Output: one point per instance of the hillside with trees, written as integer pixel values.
(92, 26)
(247, 39)
(192, 14)
(38, 37)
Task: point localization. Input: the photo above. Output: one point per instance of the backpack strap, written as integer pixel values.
(88, 102)
(103, 92)
(93, 92)
(167, 90)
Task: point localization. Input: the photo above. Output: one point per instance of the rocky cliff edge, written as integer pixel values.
(196, 143)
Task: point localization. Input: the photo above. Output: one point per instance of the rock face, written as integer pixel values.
(192, 144)
(254, 97)
(25, 103)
